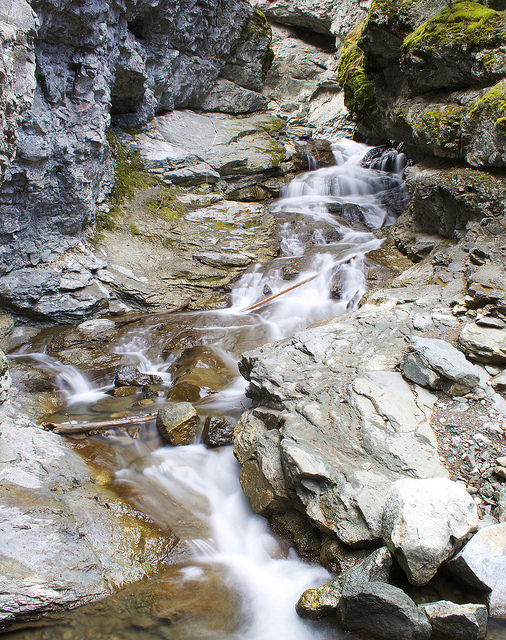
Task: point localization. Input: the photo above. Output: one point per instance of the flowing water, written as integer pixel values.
(229, 556)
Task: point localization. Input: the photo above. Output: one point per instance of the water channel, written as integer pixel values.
(231, 577)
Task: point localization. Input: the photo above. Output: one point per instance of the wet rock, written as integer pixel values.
(324, 601)
(436, 364)
(178, 423)
(131, 377)
(296, 528)
(450, 621)
(338, 557)
(483, 344)
(384, 611)
(218, 431)
(482, 565)
(81, 537)
(424, 522)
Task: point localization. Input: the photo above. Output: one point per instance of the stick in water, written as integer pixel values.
(69, 428)
(280, 293)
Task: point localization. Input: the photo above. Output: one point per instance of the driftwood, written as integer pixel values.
(154, 314)
(71, 428)
(280, 293)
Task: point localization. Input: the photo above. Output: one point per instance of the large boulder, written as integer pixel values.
(340, 425)
(482, 565)
(424, 522)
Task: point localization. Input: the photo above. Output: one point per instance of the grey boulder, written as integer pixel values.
(450, 621)
(424, 521)
(484, 344)
(436, 364)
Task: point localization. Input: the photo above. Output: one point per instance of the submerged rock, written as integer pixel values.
(450, 621)
(424, 522)
(482, 565)
(178, 423)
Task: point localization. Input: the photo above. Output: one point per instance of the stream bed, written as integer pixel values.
(229, 577)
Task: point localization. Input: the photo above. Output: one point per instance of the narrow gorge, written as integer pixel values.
(253, 319)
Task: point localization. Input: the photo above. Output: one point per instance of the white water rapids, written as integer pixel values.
(196, 490)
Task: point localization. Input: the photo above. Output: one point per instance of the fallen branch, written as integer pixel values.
(71, 428)
(280, 293)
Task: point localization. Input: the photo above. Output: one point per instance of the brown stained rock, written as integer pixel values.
(178, 423)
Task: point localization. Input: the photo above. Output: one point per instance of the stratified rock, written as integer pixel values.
(5, 381)
(482, 565)
(436, 364)
(218, 431)
(383, 611)
(450, 621)
(178, 423)
(424, 521)
(17, 73)
(65, 538)
(484, 344)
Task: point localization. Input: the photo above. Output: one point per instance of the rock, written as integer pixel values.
(93, 328)
(131, 377)
(457, 621)
(501, 515)
(178, 423)
(81, 537)
(483, 344)
(424, 522)
(295, 527)
(384, 611)
(482, 565)
(346, 432)
(436, 364)
(129, 62)
(324, 601)
(228, 97)
(5, 380)
(18, 29)
(218, 431)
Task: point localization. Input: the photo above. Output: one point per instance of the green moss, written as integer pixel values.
(134, 230)
(167, 204)
(493, 105)
(129, 176)
(443, 126)
(351, 75)
(468, 25)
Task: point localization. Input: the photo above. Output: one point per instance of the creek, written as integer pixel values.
(230, 578)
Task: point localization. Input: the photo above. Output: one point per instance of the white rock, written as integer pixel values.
(482, 565)
(423, 523)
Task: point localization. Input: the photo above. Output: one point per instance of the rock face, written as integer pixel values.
(96, 60)
(424, 521)
(82, 540)
(335, 425)
(432, 75)
(482, 564)
(17, 73)
(323, 16)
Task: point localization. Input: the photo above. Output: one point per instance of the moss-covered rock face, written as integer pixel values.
(432, 75)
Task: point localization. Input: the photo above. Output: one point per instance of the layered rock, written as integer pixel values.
(99, 60)
(17, 73)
